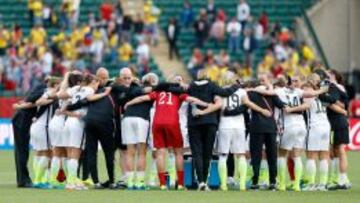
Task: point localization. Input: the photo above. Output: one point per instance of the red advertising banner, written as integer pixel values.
(354, 134)
(6, 110)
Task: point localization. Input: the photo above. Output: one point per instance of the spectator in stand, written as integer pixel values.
(209, 57)
(187, 15)
(201, 28)
(248, 45)
(243, 12)
(234, 30)
(16, 35)
(355, 106)
(304, 68)
(46, 15)
(106, 11)
(112, 45)
(264, 21)
(37, 8)
(211, 10)
(64, 14)
(13, 75)
(172, 33)
(139, 28)
(217, 31)
(126, 27)
(4, 38)
(307, 52)
(267, 63)
(151, 17)
(38, 35)
(118, 8)
(280, 51)
(222, 58)
(75, 12)
(47, 61)
(196, 62)
(284, 35)
(125, 52)
(258, 31)
(31, 10)
(143, 52)
(98, 44)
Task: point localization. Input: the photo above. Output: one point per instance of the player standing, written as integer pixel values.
(166, 130)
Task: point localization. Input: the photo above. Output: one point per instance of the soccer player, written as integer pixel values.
(56, 131)
(166, 130)
(39, 132)
(318, 140)
(231, 137)
(135, 127)
(74, 125)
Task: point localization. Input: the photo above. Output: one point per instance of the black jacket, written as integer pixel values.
(259, 123)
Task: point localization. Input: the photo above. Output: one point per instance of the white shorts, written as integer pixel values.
(56, 131)
(232, 140)
(74, 133)
(39, 137)
(134, 130)
(318, 138)
(185, 135)
(293, 137)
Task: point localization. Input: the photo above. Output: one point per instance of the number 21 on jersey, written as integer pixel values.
(165, 98)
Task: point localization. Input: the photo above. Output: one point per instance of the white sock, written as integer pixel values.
(43, 164)
(342, 178)
(335, 166)
(54, 168)
(311, 170)
(64, 162)
(323, 171)
(264, 165)
(72, 166)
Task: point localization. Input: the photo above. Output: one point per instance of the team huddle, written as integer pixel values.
(202, 120)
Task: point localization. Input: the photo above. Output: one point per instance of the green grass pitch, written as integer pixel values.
(9, 192)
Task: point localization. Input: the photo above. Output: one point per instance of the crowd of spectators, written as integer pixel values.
(108, 35)
(242, 35)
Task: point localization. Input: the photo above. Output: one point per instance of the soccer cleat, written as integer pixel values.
(296, 188)
(163, 187)
(340, 187)
(98, 186)
(223, 188)
(202, 186)
(88, 182)
(70, 186)
(254, 187)
(281, 187)
(42, 186)
(272, 187)
(181, 188)
(321, 187)
(309, 188)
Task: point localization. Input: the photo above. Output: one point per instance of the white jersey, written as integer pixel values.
(317, 113)
(292, 98)
(78, 93)
(232, 102)
(44, 119)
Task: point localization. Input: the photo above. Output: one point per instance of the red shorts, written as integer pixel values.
(167, 136)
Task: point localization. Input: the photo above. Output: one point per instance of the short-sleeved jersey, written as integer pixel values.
(232, 102)
(317, 112)
(292, 98)
(78, 93)
(167, 106)
(46, 115)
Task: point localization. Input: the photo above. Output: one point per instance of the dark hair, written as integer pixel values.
(321, 73)
(338, 77)
(74, 79)
(88, 79)
(281, 82)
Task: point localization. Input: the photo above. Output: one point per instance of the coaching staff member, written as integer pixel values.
(21, 121)
(202, 126)
(263, 130)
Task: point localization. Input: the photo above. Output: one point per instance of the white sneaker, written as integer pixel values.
(321, 187)
(70, 186)
(309, 188)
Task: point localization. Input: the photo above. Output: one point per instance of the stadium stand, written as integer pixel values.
(282, 12)
(16, 13)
